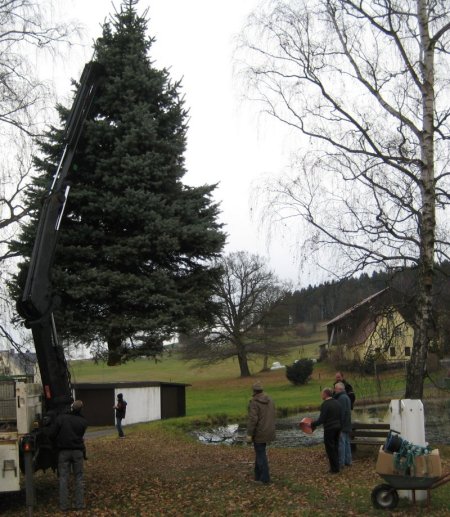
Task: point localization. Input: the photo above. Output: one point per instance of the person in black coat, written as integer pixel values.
(330, 418)
(121, 409)
(345, 449)
(348, 387)
(68, 432)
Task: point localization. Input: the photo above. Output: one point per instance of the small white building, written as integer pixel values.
(146, 401)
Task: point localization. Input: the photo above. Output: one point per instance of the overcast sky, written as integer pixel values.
(228, 141)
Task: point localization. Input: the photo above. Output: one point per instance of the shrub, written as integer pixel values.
(300, 371)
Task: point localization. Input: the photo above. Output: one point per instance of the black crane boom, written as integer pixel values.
(38, 300)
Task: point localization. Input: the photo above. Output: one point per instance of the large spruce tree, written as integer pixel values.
(132, 264)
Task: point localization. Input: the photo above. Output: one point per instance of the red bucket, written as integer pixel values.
(305, 425)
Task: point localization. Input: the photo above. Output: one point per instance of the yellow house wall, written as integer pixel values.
(398, 335)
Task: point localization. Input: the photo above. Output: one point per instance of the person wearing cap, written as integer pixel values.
(348, 387)
(345, 449)
(261, 430)
(121, 408)
(68, 432)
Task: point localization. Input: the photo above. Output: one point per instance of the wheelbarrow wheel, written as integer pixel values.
(384, 497)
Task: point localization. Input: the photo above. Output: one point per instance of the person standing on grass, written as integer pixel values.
(345, 450)
(68, 432)
(261, 430)
(121, 409)
(330, 418)
(339, 377)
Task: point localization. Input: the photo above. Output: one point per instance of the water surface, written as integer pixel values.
(437, 426)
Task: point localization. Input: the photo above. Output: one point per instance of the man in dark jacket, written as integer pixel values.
(68, 433)
(261, 430)
(345, 450)
(348, 387)
(330, 418)
(121, 409)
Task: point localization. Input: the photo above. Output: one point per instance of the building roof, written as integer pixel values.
(346, 313)
(123, 384)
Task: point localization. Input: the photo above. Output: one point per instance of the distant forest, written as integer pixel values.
(324, 302)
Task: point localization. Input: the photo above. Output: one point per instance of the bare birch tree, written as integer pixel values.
(366, 85)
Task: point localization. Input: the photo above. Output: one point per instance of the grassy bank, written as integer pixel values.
(218, 389)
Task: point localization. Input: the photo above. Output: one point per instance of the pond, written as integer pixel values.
(437, 426)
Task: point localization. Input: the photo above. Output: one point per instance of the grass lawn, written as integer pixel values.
(158, 470)
(218, 389)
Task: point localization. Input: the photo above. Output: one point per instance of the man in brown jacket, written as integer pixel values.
(261, 430)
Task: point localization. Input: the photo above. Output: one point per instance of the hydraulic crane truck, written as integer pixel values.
(31, 408)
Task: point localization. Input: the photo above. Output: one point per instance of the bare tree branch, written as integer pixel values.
(247, 295)
(27, 29)
(366, 86)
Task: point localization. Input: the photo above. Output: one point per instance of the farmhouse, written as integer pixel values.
(373, 329)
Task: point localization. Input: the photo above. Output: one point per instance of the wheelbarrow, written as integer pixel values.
(385, 496)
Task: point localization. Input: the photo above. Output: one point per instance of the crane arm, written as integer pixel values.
(37, 302)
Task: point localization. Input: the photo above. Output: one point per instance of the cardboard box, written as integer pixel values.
(385, 463)
(428, 465)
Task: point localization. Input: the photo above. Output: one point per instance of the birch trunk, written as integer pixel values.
(423, 323)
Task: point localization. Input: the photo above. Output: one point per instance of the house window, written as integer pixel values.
(383, 333)
(407, 351)
(392, 351)
(398, 331)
